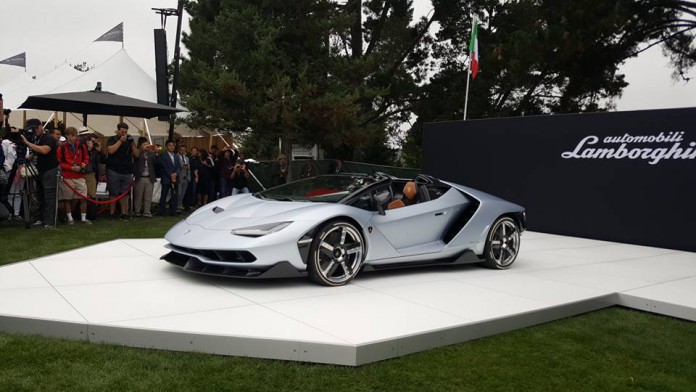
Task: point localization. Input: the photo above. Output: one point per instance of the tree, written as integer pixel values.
(308, 71)
(545, 56)
(250, 63)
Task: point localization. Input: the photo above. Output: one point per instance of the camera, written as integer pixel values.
(82, 169)
(21, 148)
(28, 133)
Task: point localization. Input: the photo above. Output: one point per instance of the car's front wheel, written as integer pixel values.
(502, 244)
(336, 253)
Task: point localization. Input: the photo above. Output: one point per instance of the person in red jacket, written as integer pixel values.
(73, 157)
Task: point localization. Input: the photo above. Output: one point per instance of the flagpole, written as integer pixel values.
(466, 97)
(468, 74)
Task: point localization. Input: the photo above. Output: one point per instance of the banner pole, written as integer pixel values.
(223, 138)
(147, 129)
(50, 118)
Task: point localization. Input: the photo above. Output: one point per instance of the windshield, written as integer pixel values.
(327, 188)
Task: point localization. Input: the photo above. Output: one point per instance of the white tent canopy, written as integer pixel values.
(119, 74)
(61, 75)
(12, 78)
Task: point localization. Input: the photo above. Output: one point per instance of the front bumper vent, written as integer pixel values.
(232, 256)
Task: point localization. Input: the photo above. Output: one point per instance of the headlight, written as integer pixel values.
(261, 230)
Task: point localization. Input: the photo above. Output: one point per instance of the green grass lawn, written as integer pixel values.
(614, 349)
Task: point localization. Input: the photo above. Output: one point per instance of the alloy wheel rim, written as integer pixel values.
(505, 243)
(339, 253)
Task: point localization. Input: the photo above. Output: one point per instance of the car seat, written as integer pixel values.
(409, 193)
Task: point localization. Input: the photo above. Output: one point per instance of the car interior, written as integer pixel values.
(400, 193)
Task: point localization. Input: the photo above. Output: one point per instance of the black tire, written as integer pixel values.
(502, 244)
(336, 254)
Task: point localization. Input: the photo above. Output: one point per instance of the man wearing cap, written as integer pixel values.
(120, 150)
(47, 165)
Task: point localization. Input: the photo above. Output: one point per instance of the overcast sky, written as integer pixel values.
(52, 32)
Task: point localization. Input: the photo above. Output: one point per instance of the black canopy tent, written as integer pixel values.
(97, 102)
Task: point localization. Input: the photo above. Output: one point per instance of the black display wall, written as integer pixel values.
(626, 176)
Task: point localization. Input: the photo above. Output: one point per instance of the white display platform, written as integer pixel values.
(120, 292)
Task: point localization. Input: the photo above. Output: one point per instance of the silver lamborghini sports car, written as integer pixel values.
(331, 227)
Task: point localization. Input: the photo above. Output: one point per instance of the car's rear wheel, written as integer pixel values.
(502, 244)
(336, 254)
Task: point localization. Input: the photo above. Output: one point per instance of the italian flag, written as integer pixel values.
(474, 50)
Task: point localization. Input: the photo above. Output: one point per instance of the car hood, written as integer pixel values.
(246, 210)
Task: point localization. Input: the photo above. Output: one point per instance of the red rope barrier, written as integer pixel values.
(89, 199)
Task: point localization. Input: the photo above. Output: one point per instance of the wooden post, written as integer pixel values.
(55, 120)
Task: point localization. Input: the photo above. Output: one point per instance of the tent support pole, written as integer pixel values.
(175, 77)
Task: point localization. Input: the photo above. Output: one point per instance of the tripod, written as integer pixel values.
(20, 191)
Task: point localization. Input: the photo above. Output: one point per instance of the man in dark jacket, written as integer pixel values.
(120, 150)
(170, 167)
(45, 149)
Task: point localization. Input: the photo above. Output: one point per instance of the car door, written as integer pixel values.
(414, 229)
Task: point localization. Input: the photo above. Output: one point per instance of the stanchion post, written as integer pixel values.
(25, 204)
(131, 211)
(55, 208)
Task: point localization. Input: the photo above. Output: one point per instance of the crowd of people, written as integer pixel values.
(64, 167)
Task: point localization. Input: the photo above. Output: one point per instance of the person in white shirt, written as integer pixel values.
(15, 182)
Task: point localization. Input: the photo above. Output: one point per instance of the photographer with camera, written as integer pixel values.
(120, 150)
(15, 153)
(280, 170)
(47, 165)
(89, 140)
(240, 176)
(73, 158)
